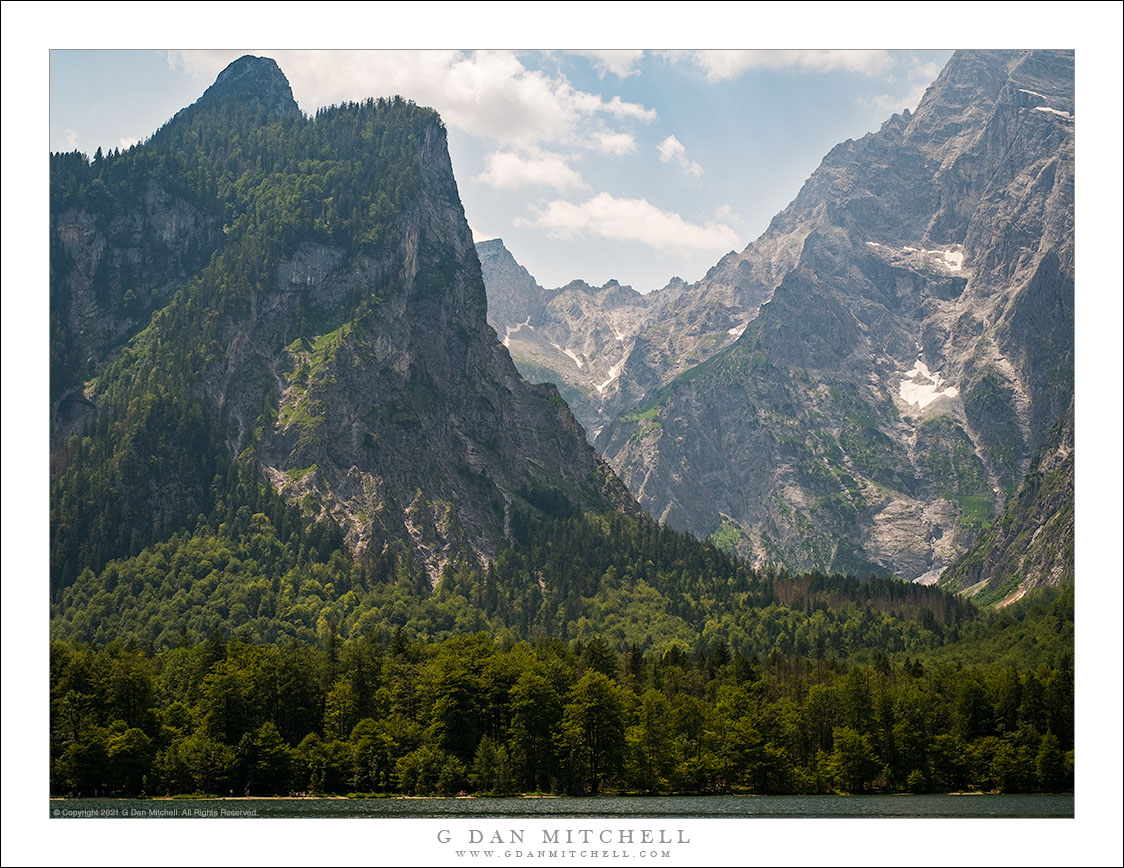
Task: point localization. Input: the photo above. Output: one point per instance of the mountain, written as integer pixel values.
(907, 344)
(578, 336)
(310, 530)
(1031, 543)
(608, 348)
(257, 312)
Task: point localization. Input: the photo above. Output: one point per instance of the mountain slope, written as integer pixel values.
(915, 350)
(313, 317)
(1031, 543)
(579, 337)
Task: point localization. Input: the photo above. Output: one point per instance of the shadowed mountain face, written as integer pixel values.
(255, 294)
(1031, 542)
(879, 367)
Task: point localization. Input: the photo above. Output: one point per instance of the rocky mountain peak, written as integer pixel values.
(257, 81)
(904, 340)
(254, 82)
(955, 108)
(515, 295)
(491, 247)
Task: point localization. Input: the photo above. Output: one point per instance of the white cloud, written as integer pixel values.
(615, 144)
(672, 151)
(637, 220)
(887, 104)
(926, 71)
(726, 214)
(719, 65)
(205, 64)
(621, 62)
(507, 170)
(911, 84)
(127, 142)
(620, 108)
(488, 94)
(477, 237)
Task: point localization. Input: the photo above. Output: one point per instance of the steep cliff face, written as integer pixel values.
(915, 349)
(127, 234)
(1031, 542)
(408, 421)
(333, 337)
(111, 267)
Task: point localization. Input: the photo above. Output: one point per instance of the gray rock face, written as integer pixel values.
(1032, 542)
(581, 338)
(909, 339)
(513, 294)
(108, 276)
(410, 424)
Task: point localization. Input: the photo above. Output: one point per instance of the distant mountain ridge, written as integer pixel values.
(577, 336)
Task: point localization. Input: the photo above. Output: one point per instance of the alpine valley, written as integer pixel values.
(315, 529)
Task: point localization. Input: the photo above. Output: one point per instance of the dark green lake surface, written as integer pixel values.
(764, 807)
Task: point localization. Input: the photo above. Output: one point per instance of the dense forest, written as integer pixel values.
(483, 715)
(266, 577)
(598, 652)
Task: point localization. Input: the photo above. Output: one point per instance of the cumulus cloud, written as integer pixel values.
(621, 109)
(925, 71)
(672, 151)
(507, 170)
(615, 144)
(202, 64)
(487, 94)
(638, 220)
(720, 65)
(127, 142)
(621, 62)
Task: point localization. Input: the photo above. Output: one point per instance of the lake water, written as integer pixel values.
(764, 807)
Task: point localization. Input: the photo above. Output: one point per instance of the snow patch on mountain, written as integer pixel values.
(952, 260)
(570, 353)
(614, 372)
(510, 331)
(1053, 111)
(921, 387)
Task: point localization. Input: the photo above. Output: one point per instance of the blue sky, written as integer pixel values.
(635, 165)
